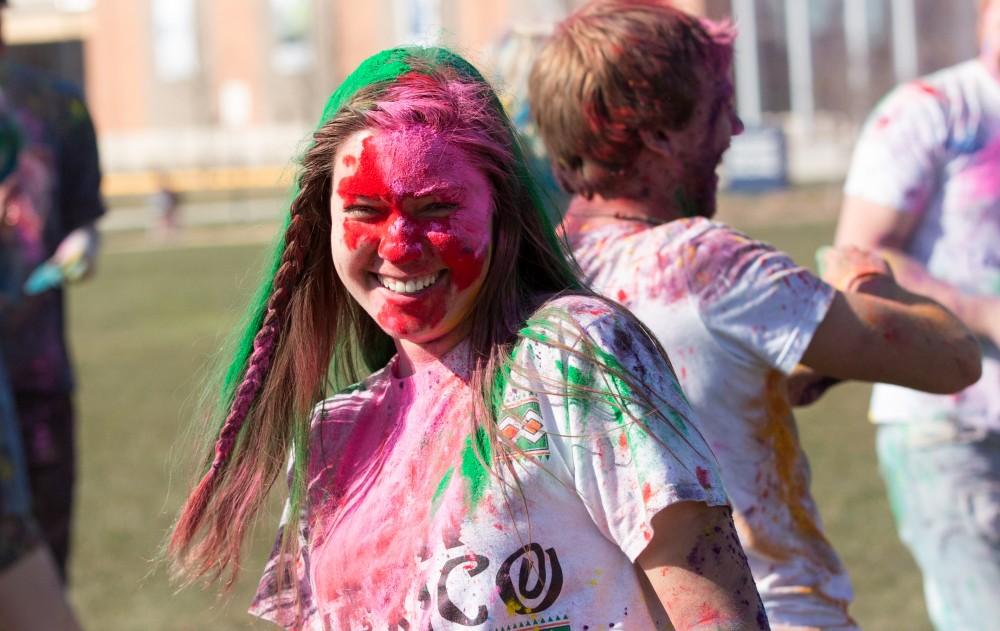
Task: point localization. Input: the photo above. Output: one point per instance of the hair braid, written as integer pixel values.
(258, 364)
(263, 347)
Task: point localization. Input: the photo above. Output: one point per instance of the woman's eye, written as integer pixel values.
(360, 211)
(439, 208)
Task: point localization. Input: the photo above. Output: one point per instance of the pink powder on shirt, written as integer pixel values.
(983, 176)
(375, 478)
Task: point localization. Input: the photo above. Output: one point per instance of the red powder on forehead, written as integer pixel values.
(350, 161)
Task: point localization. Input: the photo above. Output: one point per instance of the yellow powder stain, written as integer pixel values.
(597, 576)
(790, 486)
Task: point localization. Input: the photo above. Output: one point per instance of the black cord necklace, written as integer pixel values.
(652, 221)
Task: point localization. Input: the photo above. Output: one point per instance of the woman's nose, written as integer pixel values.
(402, 242)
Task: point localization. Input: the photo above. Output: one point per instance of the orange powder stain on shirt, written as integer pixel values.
(765, 532)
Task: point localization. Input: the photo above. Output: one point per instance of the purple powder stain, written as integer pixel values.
(983, 175)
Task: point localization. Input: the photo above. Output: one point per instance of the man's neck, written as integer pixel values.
(645, 209)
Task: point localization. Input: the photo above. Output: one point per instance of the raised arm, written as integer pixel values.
(876, 330)
(697, 568)
(886, 230)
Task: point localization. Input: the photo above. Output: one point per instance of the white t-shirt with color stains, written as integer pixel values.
(735, 316)
(404, 529)
(932, 148)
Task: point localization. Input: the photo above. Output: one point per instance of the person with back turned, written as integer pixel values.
(635, 103)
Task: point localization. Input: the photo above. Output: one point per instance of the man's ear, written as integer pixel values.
(657, 141)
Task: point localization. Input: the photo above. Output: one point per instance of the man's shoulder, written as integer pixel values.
(720, 258)
(668, 239)
(710, 242)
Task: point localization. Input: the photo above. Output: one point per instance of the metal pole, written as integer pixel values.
(747, 65)
(858, 50)
(904, 40)
(800, 70)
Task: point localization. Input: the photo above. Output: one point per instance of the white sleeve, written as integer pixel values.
(895, 162)
(625, 461)
(758, 304)
(284, 593)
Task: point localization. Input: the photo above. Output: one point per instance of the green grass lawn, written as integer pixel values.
(143, 331)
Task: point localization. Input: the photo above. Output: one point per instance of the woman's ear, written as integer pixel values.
(657, 141)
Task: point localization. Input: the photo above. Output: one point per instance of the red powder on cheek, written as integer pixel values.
(350, 161)
(367, 181)
(460, 257)
(647, 492)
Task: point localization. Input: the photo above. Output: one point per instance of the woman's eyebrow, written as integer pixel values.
(443, 189)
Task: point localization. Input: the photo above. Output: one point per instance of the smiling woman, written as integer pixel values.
(502, 449)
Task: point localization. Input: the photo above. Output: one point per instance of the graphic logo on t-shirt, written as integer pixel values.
(527, 583)
(548, 624)
(521, 423)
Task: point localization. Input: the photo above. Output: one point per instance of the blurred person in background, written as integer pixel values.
(635, 103)
(57, 241)
(514, 450)
(513, 56)
(924, 190)
(31, 595)
(164, 207)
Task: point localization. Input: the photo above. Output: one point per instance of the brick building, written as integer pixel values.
(220, 93)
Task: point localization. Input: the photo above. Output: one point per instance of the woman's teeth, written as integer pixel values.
(411, 286)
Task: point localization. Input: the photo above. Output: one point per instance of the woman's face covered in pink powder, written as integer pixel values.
(411, 230)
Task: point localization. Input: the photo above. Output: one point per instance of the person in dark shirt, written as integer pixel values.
(54, 230)
(31, 596)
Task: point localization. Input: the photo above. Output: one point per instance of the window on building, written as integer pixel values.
(418, 21)
(290, 22)
(175, 41)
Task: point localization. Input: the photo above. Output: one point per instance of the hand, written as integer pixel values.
(843, 267)
(76, 256)
(804, 386)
